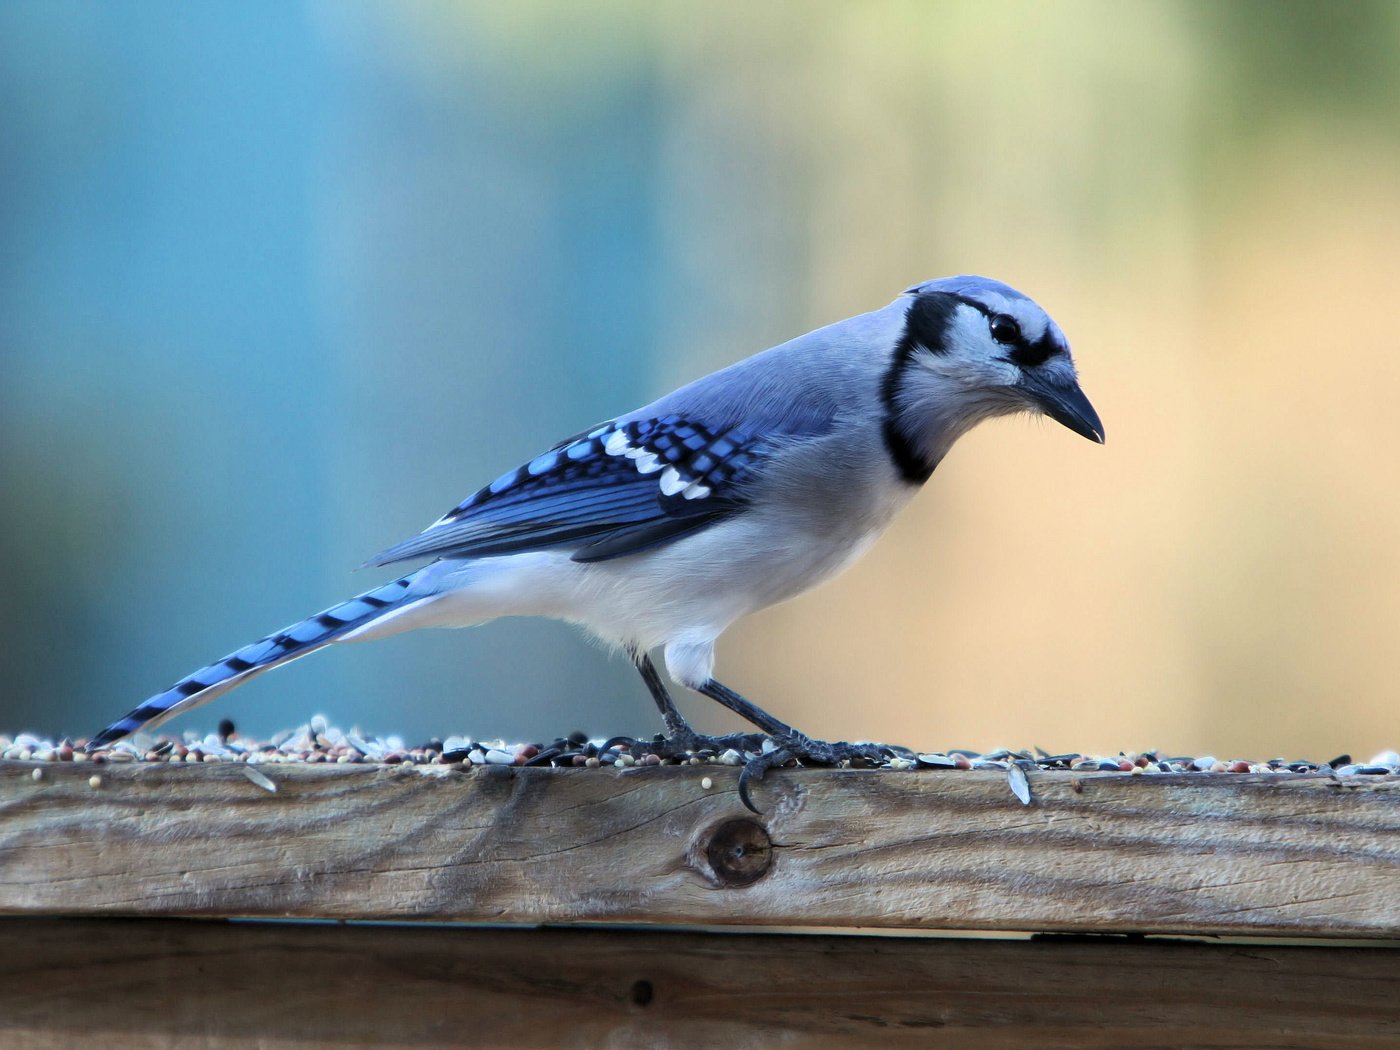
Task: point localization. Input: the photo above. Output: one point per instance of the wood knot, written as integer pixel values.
(740, 852)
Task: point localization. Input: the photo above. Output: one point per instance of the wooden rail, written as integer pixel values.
(1236, 854)
(121, 984)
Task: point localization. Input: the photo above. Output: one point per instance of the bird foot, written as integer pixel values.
(817, 752)
(687, 742)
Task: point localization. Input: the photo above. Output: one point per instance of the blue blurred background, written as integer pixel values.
(280, 283)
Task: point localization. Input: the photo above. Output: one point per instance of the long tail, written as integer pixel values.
(315, 632)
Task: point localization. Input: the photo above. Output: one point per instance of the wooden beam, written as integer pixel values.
(1191, 853)
(162, 983)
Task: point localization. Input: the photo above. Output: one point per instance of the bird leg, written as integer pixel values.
(681, 737)
(790, 742)
(677, 727)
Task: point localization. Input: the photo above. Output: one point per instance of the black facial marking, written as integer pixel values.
(926, 322)
(1031, 355)
(925, 326)
(1007, 331)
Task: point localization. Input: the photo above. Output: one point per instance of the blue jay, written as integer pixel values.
(661, 527)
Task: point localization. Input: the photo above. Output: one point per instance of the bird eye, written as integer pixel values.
(1005, 329)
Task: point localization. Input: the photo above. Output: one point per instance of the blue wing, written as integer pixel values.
(617, 489)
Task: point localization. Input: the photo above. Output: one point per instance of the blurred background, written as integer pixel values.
(280, 283)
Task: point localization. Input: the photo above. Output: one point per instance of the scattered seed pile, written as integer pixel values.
(318, 741)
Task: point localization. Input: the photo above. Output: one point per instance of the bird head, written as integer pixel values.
(973, 348)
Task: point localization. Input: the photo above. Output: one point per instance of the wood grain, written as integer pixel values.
(162, 984)
(1215, 854)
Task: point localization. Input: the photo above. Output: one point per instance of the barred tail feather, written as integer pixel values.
(300, 639)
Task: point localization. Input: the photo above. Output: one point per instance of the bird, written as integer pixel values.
(659, 528)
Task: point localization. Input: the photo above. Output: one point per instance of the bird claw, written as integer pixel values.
(754, 769)
(817, 752)
(684, 744)
(786, 747)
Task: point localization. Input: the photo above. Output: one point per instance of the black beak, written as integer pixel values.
(1065, 403)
